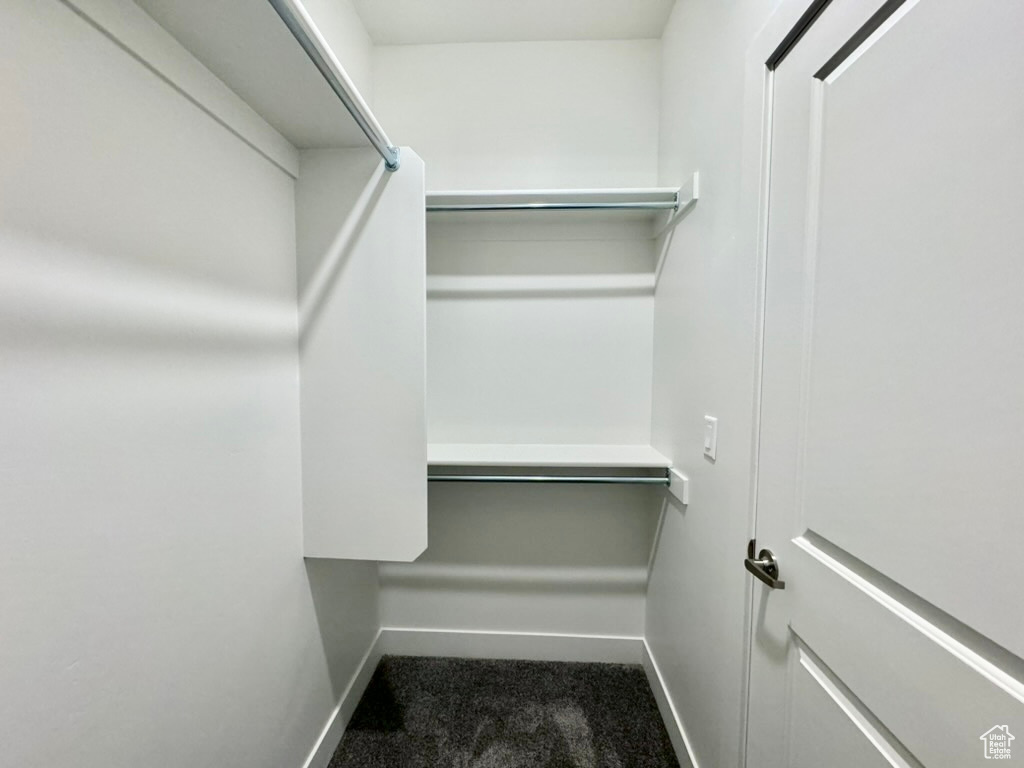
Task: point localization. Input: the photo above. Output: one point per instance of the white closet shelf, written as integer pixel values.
(650, 199)
(524, 455)
(657, 207)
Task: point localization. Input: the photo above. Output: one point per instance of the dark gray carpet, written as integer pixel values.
(467, 713)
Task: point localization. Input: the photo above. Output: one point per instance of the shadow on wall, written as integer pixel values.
(541, 526)
(322, 255)
(345, 601)
(57, 295)
(670, 506)
(566, 559)
(664, 240)
(524, 258)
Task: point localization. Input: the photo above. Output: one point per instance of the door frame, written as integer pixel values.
(784, 28)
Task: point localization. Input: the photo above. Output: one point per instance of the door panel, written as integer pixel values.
(914, 422)
(933, 690)
(891, 424)
(828, 720)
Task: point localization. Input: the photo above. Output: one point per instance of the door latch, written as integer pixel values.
(765, 566)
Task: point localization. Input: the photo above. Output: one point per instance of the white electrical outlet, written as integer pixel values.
(710, 437)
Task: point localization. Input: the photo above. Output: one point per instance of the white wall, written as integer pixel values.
(154, 605)
(518, 355)
(538, 341)
(526, 558)
(524, 115)
(703, 364)
(536, 331)
(343, 30)
(521, 346)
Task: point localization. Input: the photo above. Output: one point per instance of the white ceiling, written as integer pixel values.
(411, 22)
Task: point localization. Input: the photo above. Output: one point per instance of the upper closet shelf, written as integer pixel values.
(264, 70)
(295, 16)
(522, 455)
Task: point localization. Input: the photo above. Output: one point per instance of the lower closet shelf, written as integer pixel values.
(519, 463)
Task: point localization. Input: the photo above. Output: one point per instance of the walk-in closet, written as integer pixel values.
(485, 384)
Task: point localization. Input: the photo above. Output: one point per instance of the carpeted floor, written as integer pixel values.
(466, 713)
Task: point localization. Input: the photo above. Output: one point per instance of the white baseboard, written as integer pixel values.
(533, 646)
(673, 723)
(331, 735)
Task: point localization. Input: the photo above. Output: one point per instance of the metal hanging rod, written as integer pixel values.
(652, 205)
(301, 25)
(609, 479)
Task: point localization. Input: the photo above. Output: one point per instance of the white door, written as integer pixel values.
(891, 459)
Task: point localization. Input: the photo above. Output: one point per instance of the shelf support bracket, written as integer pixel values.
(679, 485)
(686, 198)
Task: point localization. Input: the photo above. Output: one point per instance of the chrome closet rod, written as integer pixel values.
(655, 205)
(301, 25)
(625, 479)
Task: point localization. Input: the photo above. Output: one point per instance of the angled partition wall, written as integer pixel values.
(362, 307)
